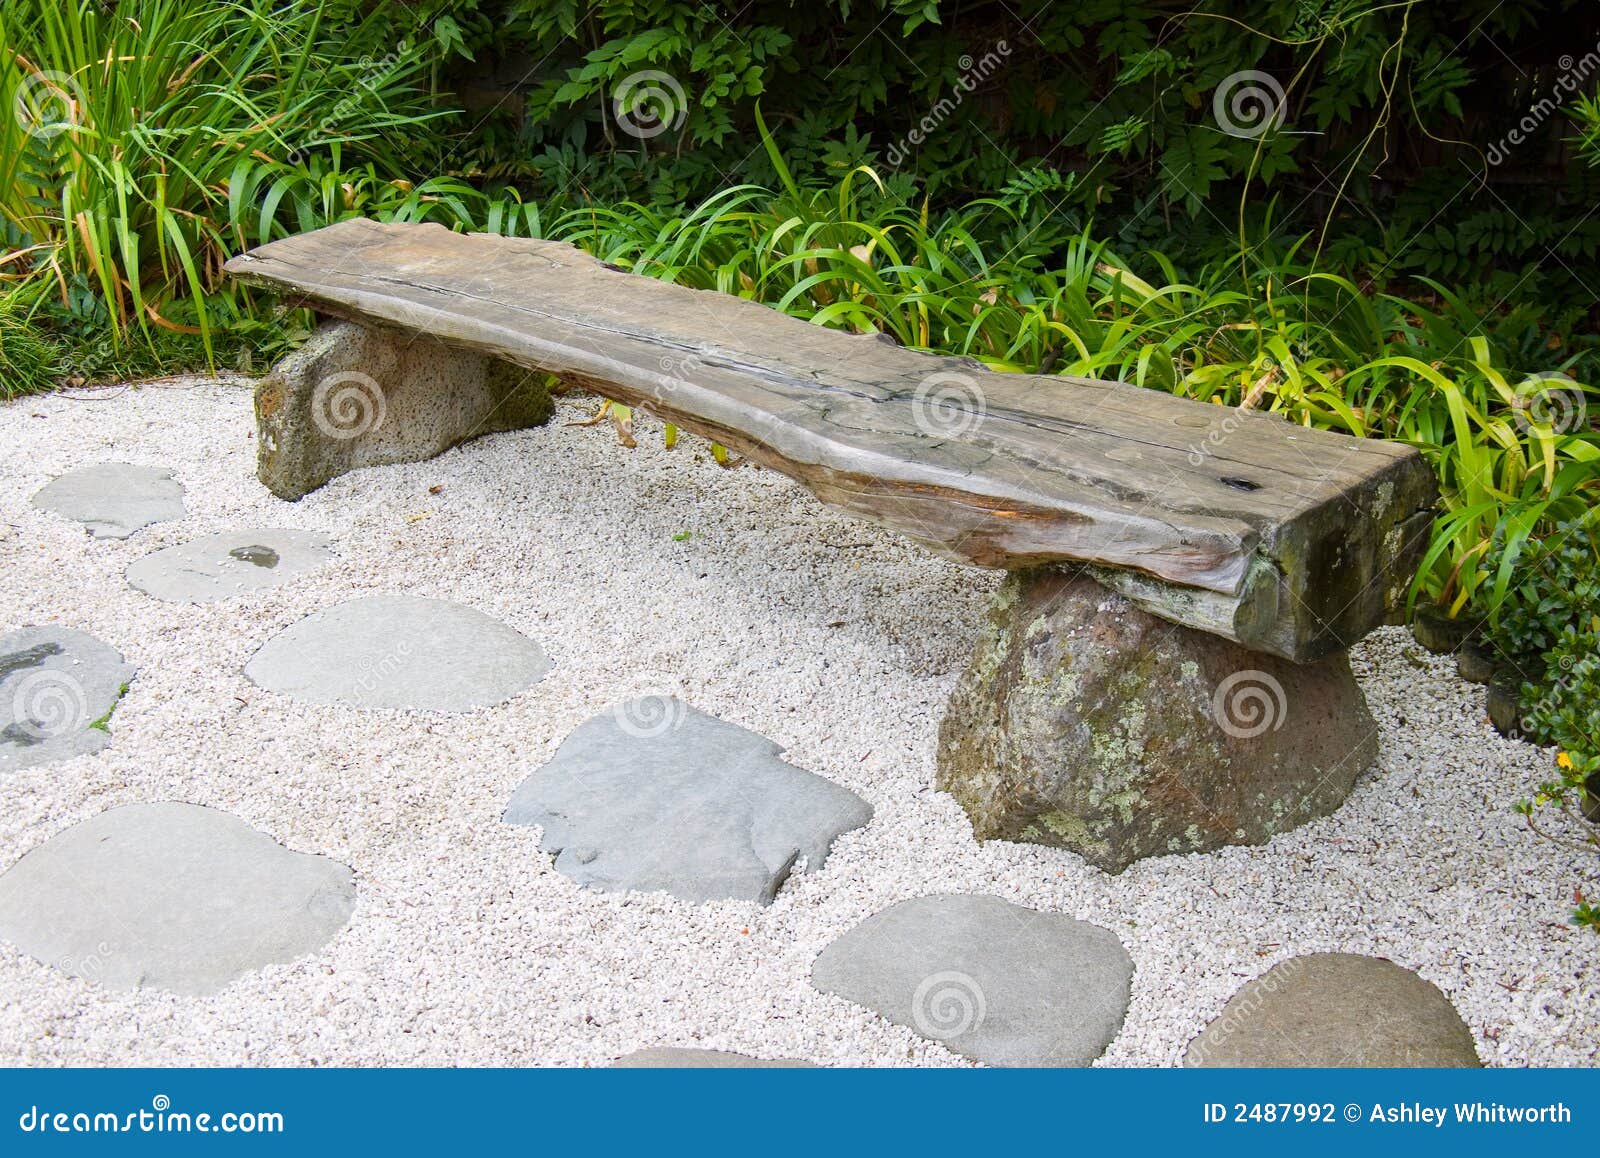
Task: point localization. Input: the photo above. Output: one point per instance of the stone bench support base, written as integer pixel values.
(357, 396)
(1086, 723)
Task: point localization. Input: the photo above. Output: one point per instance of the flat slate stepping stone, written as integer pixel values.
(1336, 1010)
(399, 651)
(170, 896)
(57, 686)
(993, 981)
(654, 795)
(114, 499)
(231, 563)
(672, 1058)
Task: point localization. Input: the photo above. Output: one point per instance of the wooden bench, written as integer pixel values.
(1289, 541)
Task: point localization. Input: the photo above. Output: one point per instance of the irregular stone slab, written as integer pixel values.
(170, 896)
(1089, 724)
(399, 651)
(356, 396)
(57, 688)
(654, 795)
(1336, 1010)
(671, 1058)
(114, 499)
(994, 981)
(231, 563)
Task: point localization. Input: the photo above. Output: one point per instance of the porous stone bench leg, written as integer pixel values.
(1086, 723)
(357, 396)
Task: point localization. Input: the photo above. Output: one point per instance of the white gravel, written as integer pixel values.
(833, 638)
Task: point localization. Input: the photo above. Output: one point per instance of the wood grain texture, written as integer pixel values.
(1290, 540)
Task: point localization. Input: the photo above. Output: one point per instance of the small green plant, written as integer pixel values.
(1547, 629)
(30, 360)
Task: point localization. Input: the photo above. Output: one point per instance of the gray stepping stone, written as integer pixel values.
(1336, 1010)
(672, 1058)
(231, 563)
(57, 686)
(399, 651)
(991, 980)
(114, 499)
(170, 896)
(654, 795)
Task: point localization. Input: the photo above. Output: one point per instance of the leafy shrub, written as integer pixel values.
(139, 125)
(1379, 123)
(1547, 629)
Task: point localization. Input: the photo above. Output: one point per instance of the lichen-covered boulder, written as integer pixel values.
(1086, 723)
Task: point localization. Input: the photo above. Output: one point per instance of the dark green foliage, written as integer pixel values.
(1548, 631)
(1390, 138)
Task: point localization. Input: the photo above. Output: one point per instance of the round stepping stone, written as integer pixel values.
(1336, 1010)
(57, 688)
(232, 563)
(114, 499)
(671, 1058)
(654, 795)
(399, 651)
(170, 896)
(990, 980)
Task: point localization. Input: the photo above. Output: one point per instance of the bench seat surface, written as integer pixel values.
(1292, 540)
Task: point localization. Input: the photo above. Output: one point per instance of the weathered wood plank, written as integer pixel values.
(1290, 540)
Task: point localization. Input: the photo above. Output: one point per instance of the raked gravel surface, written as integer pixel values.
(836, 640)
